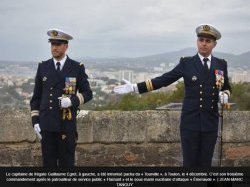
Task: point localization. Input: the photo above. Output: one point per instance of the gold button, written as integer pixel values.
(50, 101)
(201, 86)
(50, 94)
(200, 106)
(50, 108)
(200, 99)
(200, 92)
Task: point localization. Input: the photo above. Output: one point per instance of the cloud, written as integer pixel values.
(119, 27)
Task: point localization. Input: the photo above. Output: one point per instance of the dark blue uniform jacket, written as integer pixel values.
(49, 85)
(200, 104)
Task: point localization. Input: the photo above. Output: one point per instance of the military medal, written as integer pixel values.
(219, 78)
(70, 88)
(44, 79)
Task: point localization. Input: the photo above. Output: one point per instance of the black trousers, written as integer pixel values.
(198, 148)
(58, 150)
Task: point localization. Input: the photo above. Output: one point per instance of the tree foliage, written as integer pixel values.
(152, 100)
(146, 101)
(241, 95)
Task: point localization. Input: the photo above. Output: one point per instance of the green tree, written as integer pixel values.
(147, 101)
(241, 95)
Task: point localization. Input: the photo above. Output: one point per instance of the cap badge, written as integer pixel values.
(206, 28)
(54, 33)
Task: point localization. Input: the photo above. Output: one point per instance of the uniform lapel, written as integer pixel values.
(51, 71)
(212, 67)
(199, 67)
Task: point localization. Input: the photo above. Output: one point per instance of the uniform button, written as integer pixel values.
(51, 88)
(50, 94)
(212, 93)
(212, 107)
(201, 86)
(200, 99)
(200, 92)
(200, 106)
(212, 100)
(213, 87)
(50, 101)
(50, 108)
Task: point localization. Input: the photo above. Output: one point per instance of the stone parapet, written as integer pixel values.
(123, 138)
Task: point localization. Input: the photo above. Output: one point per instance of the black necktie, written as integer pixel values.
(205, 65)
(58, 67)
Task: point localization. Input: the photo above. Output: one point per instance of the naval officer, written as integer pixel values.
(206, 83)
(61, 86)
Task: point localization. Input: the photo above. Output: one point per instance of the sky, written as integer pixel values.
(119, 28)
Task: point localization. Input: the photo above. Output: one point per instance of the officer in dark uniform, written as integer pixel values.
(206, 83)
(61, 85)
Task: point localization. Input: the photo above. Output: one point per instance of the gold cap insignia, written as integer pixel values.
(206, 28)
(54, 33)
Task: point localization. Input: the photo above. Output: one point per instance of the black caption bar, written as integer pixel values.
(123, 176)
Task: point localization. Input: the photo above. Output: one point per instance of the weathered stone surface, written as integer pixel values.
(117, 126)
(20, 155)
(128, 155)
(163, 126)
(236, 127)
(235, 154)
(16, 126)
(117, 138)
(85, 128)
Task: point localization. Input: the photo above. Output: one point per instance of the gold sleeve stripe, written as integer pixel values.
(34, 113)
(80, 97)
(149, 85)
(227, 92)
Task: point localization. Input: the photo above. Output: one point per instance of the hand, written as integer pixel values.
(65, 102)
(128, 87)
(223, 97)
(38, 130)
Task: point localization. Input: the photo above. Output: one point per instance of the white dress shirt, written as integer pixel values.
(208, 62)
(62, 62)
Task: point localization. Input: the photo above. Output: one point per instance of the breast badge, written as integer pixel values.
(194, 78)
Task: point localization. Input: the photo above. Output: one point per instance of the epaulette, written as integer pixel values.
(185, 57)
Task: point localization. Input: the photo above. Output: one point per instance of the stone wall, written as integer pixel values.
(122, 138)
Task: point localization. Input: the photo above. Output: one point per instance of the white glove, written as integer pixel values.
(126, 88)
(38, 130)
(223, 97)
(65, 102)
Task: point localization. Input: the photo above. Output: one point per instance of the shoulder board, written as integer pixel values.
(185, 57)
